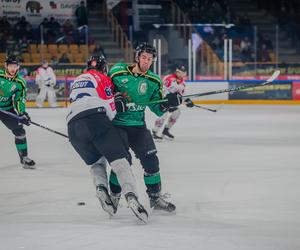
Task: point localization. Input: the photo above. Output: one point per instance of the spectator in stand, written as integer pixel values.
(69, 38)
(263, 54)
(17, 32)
(64, 58)
(23, 45)
(54, 28)
(81, 14)
(67, 27)
(245, 47)
(53, 60)
(10, 45)
(44, 26)
(2, 43)
(21, 28)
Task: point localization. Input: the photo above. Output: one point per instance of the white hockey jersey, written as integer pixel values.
(91, 90)
(45, 77)
(173, 85)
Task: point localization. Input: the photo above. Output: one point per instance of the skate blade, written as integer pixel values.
(28, 167)
(107, 208)
(141, 216)
(163, 212)
(168, 138)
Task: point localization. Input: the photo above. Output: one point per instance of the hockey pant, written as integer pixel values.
(44, 92)
(18, 131)
(97, 142)
(172, 117)
(140, 140)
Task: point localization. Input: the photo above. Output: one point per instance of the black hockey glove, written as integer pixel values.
(174, 100)
(120, 102)
(189, 103)
(24, 118)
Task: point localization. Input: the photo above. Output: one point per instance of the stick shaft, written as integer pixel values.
(270, 80)
(34, 123)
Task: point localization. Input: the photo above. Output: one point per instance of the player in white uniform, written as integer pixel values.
(172, 83)
(95, 139)
(46, 80)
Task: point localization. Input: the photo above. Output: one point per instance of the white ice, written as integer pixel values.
(234, 176)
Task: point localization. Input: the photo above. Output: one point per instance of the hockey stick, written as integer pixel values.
(34, 123)
(205, 108)
(271, 79)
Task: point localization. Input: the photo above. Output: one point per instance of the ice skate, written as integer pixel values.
(156, 136)
(138, 210)
(115, 198)
(167, 133)
(157, 202)
(27, 163)
(105, 200)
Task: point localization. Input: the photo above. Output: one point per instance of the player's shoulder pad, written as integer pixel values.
(21, 80)
(2, 73)
(153, 77)
(118, 69)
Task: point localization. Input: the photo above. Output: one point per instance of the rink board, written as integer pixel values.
(281, 92)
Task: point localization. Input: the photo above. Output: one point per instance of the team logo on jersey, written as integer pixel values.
(143, 88)
(13, 88)
(108, 91)
(124, 80)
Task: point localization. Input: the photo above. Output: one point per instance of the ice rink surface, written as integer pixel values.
(233, 175)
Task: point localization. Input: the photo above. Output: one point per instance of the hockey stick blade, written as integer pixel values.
(273, 77)
(209, 109)
(205, 108)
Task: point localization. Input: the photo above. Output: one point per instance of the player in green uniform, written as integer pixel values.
(137, 84)
(13, 99)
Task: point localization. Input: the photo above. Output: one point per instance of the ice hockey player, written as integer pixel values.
(173, 83)
(13, 99)
(94, 137)
(137, 84)
(46, 80)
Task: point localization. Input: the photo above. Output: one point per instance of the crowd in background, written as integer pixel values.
(15, 38)
(246, 46)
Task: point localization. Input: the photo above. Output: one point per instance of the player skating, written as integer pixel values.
(13, 99)
(46, 80)
(136, 83)
(94, 137)
(173, 83)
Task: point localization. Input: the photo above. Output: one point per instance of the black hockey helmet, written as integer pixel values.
(98, 63)
(145, 47)
(181, 68)
(12, 59)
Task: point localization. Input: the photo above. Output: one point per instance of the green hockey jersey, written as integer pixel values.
(12, 93)
(136, 88)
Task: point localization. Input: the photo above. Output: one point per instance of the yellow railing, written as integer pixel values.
(119, 35)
